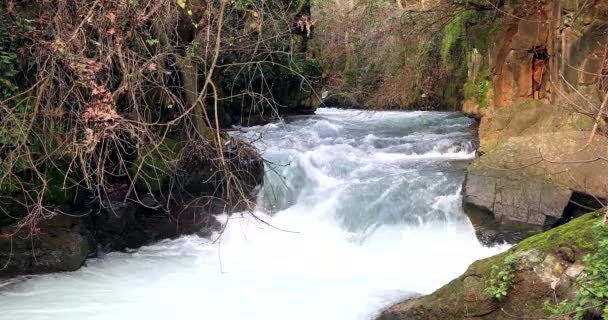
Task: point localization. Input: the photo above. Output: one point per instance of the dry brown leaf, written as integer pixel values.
(152, 67)
(6, 236)
(112, 17)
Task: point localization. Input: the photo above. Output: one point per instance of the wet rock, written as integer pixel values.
(58, 244)
(116, 226)
(518, 205)
(491, 232)
(341, 101)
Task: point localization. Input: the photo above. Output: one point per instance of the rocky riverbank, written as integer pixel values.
(185, 201)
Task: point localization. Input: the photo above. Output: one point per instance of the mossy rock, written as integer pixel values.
(542, 266)
(341, 101)
(154, 166)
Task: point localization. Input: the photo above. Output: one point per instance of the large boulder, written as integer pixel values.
(525, 183)
(546, 266)
(341, 101)
(56, 245)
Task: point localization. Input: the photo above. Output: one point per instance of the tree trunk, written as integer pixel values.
(189, 74)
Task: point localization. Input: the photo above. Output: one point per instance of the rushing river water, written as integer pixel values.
(371, 206)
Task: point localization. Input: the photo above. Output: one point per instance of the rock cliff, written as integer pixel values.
(536, 85)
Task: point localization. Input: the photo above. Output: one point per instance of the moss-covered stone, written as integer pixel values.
(455, 36)
(342, 101)
(578, 235)
(154, 166)
(542, 270)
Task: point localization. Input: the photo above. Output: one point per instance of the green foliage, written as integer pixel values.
(152, 170)
(501, 278)
(370, 76)
(454, 34)
(579, 25)
(480, 90)
(483, 87)
(12, 132)
(469, 90)
(485, 35)
(349, 74)
(592, 295)
(242, 4)
(9, 62)
(152, 41)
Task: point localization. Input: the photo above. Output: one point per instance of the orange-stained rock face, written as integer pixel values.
(546, 53)
(538, 71)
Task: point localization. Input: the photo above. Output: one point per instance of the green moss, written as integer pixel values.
(480, 90)
(454, 34)
(349, 73)
(342, 100)
(451, 91)
(485, 35)
(299, 5)
(579, 25)
(483, 87)
(581, 122)
(579, 234)
(469, 90)
(59, 189)
(153, 169)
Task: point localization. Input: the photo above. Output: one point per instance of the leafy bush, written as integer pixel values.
(501, 279)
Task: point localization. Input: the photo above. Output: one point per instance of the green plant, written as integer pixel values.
(579, 25)
(454, 33)
(501, 278)
(349, 74)
(479, 90)
(469, 90)
(8, 63)
(592, 294)
(483, 87)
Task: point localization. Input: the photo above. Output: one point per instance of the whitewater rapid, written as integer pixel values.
(362, 209)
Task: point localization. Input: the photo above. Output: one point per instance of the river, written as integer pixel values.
(362, 209)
